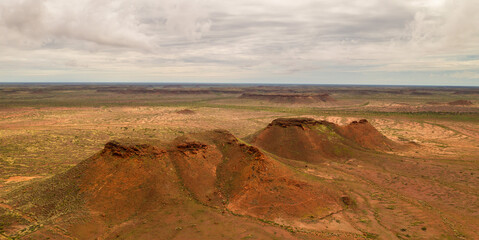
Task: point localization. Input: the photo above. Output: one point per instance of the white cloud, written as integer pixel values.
(248, 38)
(188, 17)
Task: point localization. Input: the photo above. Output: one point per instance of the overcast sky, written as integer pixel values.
(424, 42)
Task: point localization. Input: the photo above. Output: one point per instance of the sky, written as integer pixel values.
(393, 42)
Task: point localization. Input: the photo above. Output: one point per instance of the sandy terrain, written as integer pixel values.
(427, 190)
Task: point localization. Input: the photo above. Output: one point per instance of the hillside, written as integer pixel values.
(315, 141)
(127, 182)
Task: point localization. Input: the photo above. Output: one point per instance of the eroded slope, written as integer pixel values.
(116, 188)
(315, 141)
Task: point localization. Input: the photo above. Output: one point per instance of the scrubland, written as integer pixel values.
(419, 182)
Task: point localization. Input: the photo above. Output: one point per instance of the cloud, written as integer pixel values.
(117, 24)
(450, 27)
(38, 23)
(249, 38)
(188, 18)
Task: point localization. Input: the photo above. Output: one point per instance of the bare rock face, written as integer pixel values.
(192, 147)
(298, 122)
(117, 149)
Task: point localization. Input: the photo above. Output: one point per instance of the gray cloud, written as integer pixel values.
(248, 38)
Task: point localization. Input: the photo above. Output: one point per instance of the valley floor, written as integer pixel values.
(428, 191)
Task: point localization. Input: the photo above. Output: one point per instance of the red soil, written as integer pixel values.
(365, 135)
(310, 140)
(226, 173)
(299, 139)
(126, 181)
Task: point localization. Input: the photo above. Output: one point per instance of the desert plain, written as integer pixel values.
(186, 161)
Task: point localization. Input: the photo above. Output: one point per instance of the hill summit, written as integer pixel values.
(132, 181)
(311, 140)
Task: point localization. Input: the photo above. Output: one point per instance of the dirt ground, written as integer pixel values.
(427, 191)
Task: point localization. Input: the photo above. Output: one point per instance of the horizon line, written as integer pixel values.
(225, 83)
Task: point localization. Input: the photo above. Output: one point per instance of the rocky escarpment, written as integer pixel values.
(311, 140)
(298, 122)
(128, 181)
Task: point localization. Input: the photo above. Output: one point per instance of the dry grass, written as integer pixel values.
(424, 193)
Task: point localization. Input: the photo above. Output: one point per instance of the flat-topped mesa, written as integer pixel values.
(298, 122)
(290, 97)
(310, 140)
(304, 139)
(319, 96)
